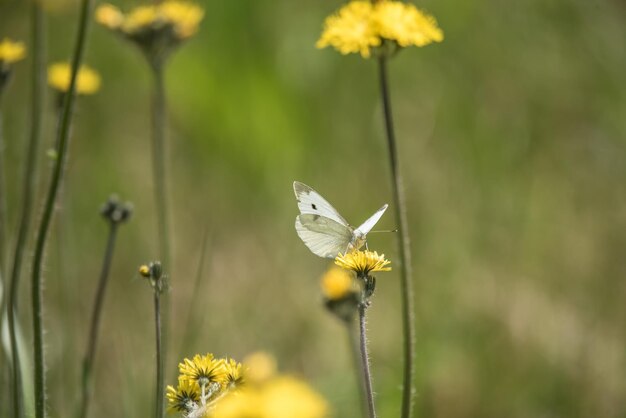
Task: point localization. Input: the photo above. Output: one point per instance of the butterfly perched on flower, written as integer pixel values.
(323, 229)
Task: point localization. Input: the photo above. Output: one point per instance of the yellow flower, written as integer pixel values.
(260, 366)
(141, 18)
(183, 16)
(286, 397)
(282, 397)
(11, 51)
(351, 29)
(183, 398)
(337, 283)
(203, 369)
(363, 262)
(109, 16)
(59, 74)
(234, 374)
(360, 26)
(405, 24)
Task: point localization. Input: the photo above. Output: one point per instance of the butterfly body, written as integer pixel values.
(323, 230)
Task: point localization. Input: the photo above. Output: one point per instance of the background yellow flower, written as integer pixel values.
(59, 74)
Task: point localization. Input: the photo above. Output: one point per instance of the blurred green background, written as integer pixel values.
(512, 135)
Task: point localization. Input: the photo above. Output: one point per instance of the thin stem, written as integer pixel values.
(44, 226)
(159, 355)
(28, 191)
(96, 314)
(3, 203)
(404, 244)
(160, 183)
(355, 350)
(365, 363)
(158, 163)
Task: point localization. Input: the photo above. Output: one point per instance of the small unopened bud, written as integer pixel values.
(116, 212)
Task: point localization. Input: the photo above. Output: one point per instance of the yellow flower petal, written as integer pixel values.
(59, 74)
(363, 262)
(11, 51)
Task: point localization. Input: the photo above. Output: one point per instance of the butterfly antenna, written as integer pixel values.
(384, 230)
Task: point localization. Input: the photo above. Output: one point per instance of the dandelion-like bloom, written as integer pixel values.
(405, 24)
(203, 370)
(156, 28)
(59, 74)
(337, 283)
(260, 366)
(351, 29)
(184, 397)
(363, 262)
(11, 52)
(361, 26)
(234, 374)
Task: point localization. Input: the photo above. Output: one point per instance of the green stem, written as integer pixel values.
(404, 244)
(160, 381)
(3, 203)
(28, 191)
(365, 363)
(44, 226)
(158, 163)
(90, 353)
(355, 350)
(160, 183)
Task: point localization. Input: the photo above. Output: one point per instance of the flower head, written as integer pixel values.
(87, 82)
(337, 283)
(11, 51)
(184, 397)
(234, 374)
(203, 370)
(156, 28)
(361, 26)
(363, 262)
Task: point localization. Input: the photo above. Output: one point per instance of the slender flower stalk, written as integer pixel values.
(355, 349)
(404, 245)
(115, 213)
(159, 170)
(44, 226)
(28, 191)
(3, 202)
(154, 273)
(365, 362)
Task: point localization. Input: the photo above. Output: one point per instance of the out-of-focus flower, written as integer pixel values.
(234, 374)
(156, 28)
(87, 82)
(363, 262)
(11, 51)
(337, 283)
(281, 397)
(361, 26)
(260, 366)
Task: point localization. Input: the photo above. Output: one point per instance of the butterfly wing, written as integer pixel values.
(311, 202)
(324, 236)
(369, 224)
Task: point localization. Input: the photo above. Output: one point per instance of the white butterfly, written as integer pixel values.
(323, 229)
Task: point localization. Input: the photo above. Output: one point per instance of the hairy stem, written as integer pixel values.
(38, 73)
(159, 158)
(160, 382)
(355, 349)
(48, 211)
(90, 353)
(404, 244)
(365, 363)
